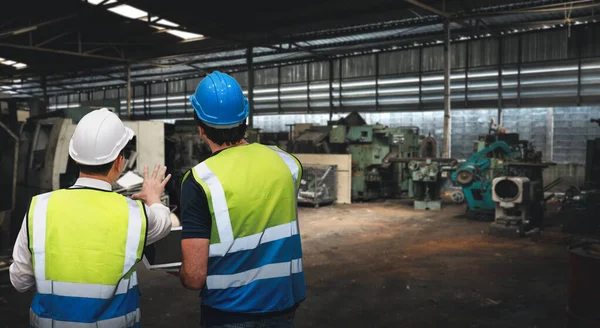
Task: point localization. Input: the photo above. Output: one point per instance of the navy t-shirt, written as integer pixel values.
(195, 213)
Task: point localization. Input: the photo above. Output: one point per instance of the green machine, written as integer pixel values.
(372, 147)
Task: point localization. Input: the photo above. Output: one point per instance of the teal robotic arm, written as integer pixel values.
(476, 175)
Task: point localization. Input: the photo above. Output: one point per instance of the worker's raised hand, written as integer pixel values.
(153, 186)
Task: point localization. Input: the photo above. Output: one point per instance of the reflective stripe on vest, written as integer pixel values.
(72, 290)
(128, 320)
(243, 264)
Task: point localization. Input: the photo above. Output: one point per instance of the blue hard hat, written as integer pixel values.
(219, 101)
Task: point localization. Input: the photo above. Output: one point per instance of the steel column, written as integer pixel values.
(420, 77)
(467, 74)
(308, 88)
(279, 89)
(579, 51)
(167, 99)
(185, 100)
(128, 79)
(519, 61)
(145, 101)
(447, 100)
(133, 104)
(250, 64)
(45, 90)
(376, 81)
(500, 87)
(330, 89)
(149, 102)
(340, 87)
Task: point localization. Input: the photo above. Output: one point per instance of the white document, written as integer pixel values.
(130, 179)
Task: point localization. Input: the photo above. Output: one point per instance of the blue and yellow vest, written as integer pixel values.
(85, 244)
(255, 254)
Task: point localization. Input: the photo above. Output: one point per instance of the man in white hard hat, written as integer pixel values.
(78, 247)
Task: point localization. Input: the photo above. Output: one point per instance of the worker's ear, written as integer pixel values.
(201, 131)
(120, 162)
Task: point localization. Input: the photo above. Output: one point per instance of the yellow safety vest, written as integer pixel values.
(85, 244)
(255, 253)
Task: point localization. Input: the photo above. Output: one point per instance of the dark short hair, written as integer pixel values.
(222, 136)
(98, 169)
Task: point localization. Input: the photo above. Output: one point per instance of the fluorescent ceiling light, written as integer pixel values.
(2, 59)
(185, 35)
(5, 87)
(97, 2)
(20, 65)
(166, 22)
(128, 11)
(9, 62)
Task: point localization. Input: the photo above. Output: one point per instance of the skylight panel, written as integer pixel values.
(167, 23)
(185, 35)
(128, 11)
(135, 13)
(97, 2)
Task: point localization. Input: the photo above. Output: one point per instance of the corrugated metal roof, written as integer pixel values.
(384, 34)
(374, 35)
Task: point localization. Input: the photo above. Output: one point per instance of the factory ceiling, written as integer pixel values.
(68, 45)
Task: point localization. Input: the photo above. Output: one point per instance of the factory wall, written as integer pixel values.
(541, 80)
(560, 133)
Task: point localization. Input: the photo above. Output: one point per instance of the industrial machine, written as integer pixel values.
(184, 149)
(9, 149)
(592, 161)
(581, 204)
(496, 155)
(519, 204)
(318, 185)
(427, 175)
(374, 149)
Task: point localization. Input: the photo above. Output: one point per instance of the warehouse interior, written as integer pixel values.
(450, 149)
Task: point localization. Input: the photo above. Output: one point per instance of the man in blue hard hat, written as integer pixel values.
(240, 240)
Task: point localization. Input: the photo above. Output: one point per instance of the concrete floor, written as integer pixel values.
(385, 265)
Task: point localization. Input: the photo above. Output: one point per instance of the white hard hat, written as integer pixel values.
(99, 138)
